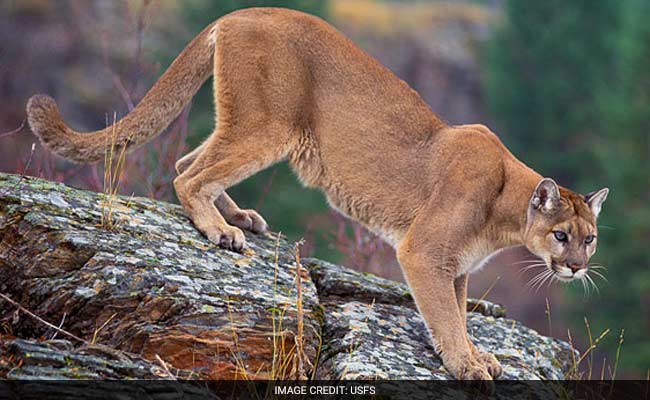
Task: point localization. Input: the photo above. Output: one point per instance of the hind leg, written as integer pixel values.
(261, 104)
(249, 220)
(184, 162)
(229, 156)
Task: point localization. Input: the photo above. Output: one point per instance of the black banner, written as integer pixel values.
(258, 390)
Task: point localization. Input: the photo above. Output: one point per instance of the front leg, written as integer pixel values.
(487, 359)
(434, 249)
(432, 286)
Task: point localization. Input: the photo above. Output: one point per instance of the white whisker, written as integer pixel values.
(600, 275)
(541, 274)
(531, 267)
(532, 281)
(547, 275)
(593, 284)
(550, 281)
(550, 278)
(526, 261)
(534, 265)
(541, 284)
(536, 278)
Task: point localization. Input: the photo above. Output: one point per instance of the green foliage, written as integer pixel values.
(545, 66)
(289, 205)
(624, 152)
(569, 86)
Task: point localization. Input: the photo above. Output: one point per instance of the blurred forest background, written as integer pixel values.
(566, 85)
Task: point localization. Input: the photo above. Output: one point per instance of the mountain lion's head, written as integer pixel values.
(561, 229)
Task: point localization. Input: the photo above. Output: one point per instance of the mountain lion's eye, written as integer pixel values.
(560, 236)
(589, 239)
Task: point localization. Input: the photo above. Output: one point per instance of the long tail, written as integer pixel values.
(161, 105)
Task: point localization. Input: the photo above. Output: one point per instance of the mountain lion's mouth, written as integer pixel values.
(563, 274)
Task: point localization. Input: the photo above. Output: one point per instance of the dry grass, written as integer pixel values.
(114, 160)
(300, 358)
(96, 333)
(574, 372)
(588, 356)
(621, 339)
(580, 371)
(485, 294)
(289, 360)
(547, 311)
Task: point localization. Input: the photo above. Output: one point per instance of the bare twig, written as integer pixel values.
(22, 177)
(29, 160)
(60, 325)
(115, 78)
(20, 128)
(164, 366)
(41, 320)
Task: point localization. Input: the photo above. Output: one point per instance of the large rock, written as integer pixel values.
(148, 294)
(373, 331)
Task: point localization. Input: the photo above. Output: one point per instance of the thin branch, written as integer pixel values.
(164, 366)
(60, 325)
(20, 128)
(115, 78)
(41, 320)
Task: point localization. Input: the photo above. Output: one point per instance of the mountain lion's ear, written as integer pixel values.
(546, 197)
(596, 199)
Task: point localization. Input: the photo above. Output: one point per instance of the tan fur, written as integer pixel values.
(288, 85)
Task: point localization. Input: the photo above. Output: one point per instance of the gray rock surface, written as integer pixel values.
(373, 331)
(153, 293)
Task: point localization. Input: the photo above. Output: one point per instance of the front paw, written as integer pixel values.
(227, 237)
(491, 363)
(467, 368)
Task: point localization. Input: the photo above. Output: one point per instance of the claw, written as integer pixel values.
(229, 238)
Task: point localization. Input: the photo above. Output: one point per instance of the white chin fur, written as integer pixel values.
(580, 274)
(565, 275)
(563, 279)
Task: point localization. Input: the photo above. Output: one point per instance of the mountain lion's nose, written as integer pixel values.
(574, 267)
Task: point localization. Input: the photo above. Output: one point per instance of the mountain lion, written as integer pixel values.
(289, 86)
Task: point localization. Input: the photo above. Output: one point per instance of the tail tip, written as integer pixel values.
(39, 104)
(42, 112)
